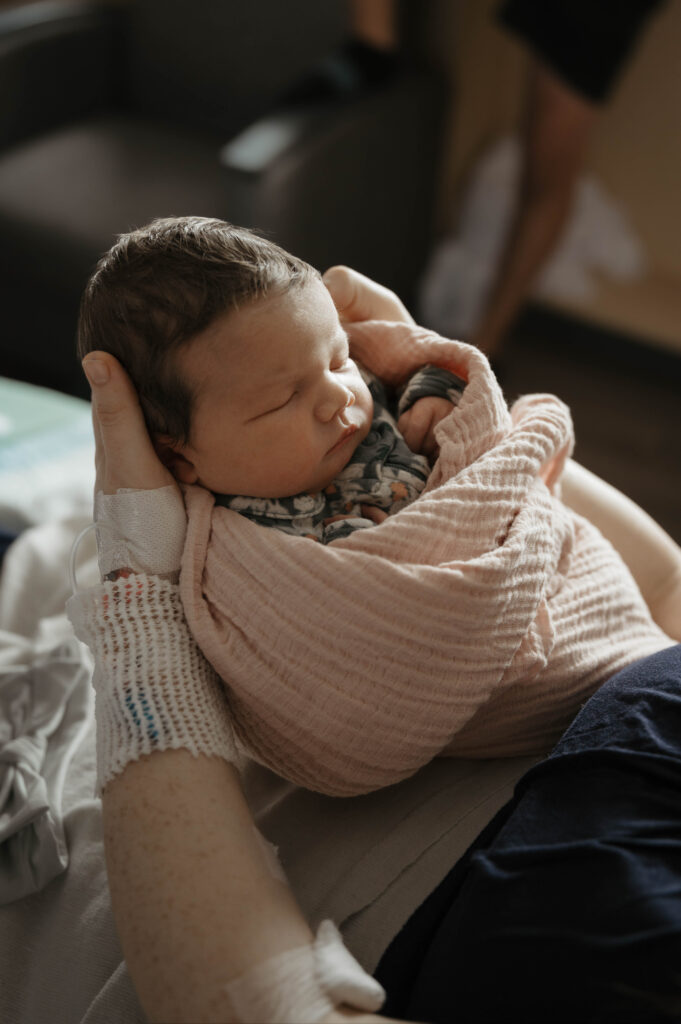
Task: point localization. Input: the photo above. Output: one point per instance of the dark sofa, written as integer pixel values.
(113, 115)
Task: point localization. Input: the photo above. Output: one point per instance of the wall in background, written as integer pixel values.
(636, 148)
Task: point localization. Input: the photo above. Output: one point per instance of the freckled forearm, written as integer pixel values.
(194, 901)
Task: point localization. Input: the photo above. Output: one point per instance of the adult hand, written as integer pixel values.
(143, 528)
(384, 337)
(357, 297)
(124, 453)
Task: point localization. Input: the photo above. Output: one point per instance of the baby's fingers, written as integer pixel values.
(414, 425)
(377, 515)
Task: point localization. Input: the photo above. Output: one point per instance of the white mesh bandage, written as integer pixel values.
(303, 985)
(154, 689)
(140, 530)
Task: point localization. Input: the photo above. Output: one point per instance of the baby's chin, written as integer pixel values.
(346, 454)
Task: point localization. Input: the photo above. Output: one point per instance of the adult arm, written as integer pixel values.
(556, 129)
(653, 558)
(194, 897)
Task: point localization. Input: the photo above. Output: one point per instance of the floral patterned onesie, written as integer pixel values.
(383, 472)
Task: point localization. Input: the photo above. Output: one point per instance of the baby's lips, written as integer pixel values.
(347, 433)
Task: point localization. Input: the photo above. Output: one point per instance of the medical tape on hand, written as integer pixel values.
(305, 984)
(140, 530)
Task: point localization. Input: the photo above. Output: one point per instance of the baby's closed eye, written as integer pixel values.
(279, 403)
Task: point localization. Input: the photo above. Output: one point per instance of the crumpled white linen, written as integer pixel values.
(45, 705)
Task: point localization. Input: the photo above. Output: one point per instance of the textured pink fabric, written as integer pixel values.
(472, 623)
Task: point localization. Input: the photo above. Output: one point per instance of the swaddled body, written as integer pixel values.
(474, 622)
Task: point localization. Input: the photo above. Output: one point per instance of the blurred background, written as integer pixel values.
(614, 353)
(112, 114)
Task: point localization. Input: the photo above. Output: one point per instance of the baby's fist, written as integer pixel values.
(417, 425)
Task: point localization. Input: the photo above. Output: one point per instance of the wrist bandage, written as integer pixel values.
(140, 530)
(154, 689)
(304, 985)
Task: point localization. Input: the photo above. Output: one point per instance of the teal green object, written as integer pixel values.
(37, 424)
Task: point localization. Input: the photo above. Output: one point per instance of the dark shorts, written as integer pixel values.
(568, 906)
(585, 42)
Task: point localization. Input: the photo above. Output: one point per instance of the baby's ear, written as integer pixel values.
(170, 453)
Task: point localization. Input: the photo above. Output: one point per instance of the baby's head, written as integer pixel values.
(237, 353)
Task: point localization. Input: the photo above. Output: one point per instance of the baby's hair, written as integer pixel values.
(160, 286)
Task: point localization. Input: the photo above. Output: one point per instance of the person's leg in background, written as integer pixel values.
(369, 57)
(576, 52)
(556, 128)
(372, 53)
(568, 907)
(374, 22)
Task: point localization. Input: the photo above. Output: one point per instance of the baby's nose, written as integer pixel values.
(335, 399)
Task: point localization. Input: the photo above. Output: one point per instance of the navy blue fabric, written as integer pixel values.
(568, 906)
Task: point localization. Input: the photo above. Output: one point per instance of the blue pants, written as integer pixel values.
(568, 906)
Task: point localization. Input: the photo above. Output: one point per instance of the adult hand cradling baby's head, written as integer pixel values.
(142, 529)
(383, 335)
(124, 452)
(357, 297)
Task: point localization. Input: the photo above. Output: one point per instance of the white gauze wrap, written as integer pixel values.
(305, 984)
(154, 689)
(140, 530)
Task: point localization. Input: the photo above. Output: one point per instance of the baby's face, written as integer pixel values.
(279, 406)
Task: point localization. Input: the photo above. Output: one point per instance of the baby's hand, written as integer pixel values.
(417, 424)
(376, 515)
